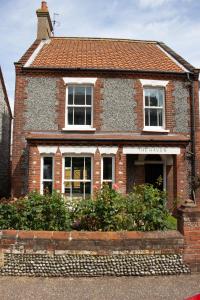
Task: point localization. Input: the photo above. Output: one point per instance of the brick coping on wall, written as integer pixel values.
(157, 242)
(88, 235)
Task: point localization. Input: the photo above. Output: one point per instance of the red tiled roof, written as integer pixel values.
(111, 54)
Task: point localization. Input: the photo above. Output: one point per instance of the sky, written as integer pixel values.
(175, 22)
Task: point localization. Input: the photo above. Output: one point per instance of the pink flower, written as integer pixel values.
(95, 187)
(115, 186)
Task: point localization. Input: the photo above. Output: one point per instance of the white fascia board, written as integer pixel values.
(173, 59)
(152, 150)
(80, 80)
(35, 53)
(47, 149)
(108, 150)
(77, 150)
(150, 82)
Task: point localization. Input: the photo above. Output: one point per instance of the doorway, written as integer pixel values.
(154, 171)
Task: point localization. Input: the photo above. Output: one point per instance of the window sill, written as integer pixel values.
(154, 129)
(78, 128)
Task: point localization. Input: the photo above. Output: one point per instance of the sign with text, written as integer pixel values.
(151, 150)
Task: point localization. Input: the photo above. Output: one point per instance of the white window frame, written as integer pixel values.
(113, 169)
(79, 127)
(42, 180)
(154, 128)
(74, 180)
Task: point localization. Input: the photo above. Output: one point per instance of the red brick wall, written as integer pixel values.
(148, 243)
(18, 136)
(189, 226)
(34, 169)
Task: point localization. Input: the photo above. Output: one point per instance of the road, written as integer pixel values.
(106, 288)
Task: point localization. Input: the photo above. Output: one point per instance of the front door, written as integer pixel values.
(152, 173)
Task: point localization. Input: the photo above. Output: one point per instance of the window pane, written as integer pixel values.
(107, 168)
(47, 187)
(70, 115)
(153, 117)
(161, 97)
(87, 189)
(146, 101)
(77, 167)
(147, 94)
(153, 98)
(88, 116)
(67, 162)
(88, 95)
(47, 168)
(79, 116)
(70, 95)
(67, 188)
(68, 168)
(79, 97)
(160, 117)
(146, 117)
(77, 189)
(88, 168)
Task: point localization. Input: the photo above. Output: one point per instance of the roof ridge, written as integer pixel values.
(105, 39)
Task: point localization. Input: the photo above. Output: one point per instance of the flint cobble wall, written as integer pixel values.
(92, 265)
(91, 253)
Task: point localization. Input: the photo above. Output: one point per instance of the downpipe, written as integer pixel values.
(193, 138)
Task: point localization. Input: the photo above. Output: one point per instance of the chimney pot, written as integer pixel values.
(44, 5)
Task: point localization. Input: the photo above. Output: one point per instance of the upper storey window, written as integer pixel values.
(79, 105)
(154, 98)
(154, 104)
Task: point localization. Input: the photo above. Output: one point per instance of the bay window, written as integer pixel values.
(47, 175)
(77, 177)
(108, 170)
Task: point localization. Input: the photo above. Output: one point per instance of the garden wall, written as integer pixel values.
(189, 226)
(91, 253)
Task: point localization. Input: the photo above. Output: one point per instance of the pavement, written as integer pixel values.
(105, 288)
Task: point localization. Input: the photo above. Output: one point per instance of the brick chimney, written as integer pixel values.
(45, 27)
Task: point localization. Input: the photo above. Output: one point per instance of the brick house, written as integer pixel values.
(5, 135)
(92, 110)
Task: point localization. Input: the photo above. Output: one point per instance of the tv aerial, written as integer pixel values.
(55, 22)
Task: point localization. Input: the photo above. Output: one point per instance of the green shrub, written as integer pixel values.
(143, 209)
(8, 216)
(146, 206)
(36, 212)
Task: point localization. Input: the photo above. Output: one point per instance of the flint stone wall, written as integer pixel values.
(118, 105)
(41, 102)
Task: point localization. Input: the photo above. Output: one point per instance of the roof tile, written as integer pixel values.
(88, 53)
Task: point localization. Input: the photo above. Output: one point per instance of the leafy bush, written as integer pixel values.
(98, 214)
(35, 212)
(146, 207)
(143, 209)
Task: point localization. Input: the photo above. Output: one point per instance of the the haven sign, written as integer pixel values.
(151, 150)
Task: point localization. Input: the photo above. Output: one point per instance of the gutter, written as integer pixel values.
(125, 71)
